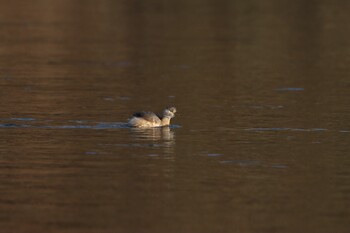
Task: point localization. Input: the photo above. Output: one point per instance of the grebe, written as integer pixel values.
(150, 119)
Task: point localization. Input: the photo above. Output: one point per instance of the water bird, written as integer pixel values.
(150, 119)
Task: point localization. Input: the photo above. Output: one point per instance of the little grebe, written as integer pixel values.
(150, 119)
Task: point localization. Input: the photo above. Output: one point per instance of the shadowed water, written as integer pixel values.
(260, 141)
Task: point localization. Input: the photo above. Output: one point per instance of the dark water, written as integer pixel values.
(260, 144)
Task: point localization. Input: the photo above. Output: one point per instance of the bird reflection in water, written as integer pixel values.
(159, 136)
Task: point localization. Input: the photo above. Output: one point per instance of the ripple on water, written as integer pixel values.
(287, 129)
(8, 125)
(90, 153)
(242, 163)
(290, 89)
(268, 129)
(18, 119)
(252, 163)
(77, 121)
(97, 126)
(266, 107)
(214, 155)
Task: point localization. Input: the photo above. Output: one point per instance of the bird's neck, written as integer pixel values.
(165, 121)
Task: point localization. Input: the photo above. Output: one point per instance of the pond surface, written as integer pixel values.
(260, 142)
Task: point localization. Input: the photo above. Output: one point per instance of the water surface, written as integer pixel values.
(260, 142)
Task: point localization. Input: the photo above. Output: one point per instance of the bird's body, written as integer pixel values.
(150, 119)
